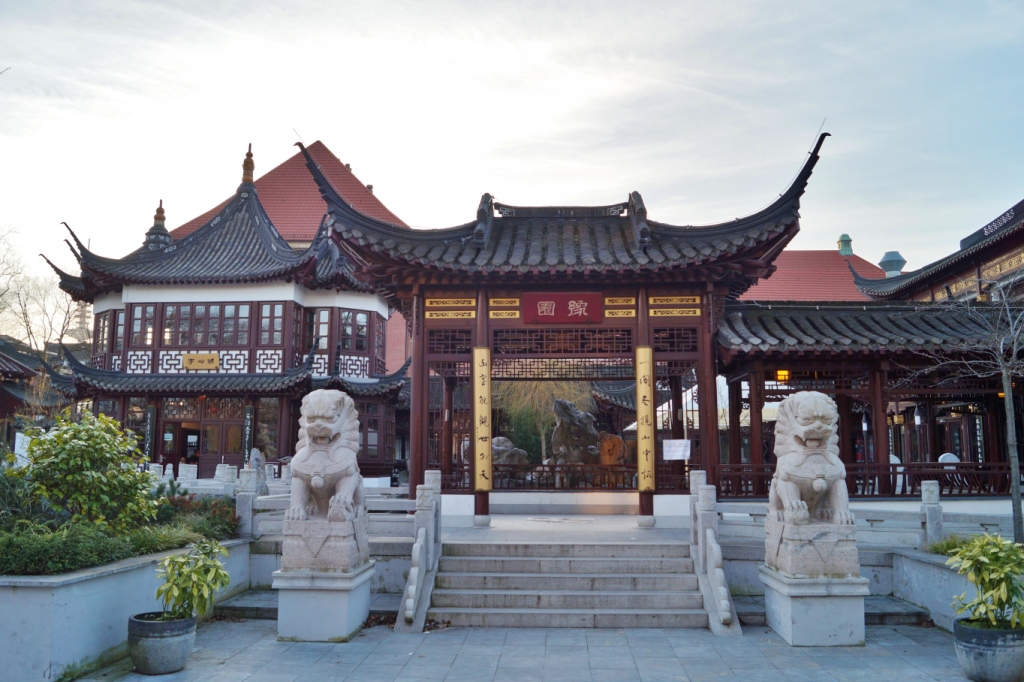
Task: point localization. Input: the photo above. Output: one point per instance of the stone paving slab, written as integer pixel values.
(248, 651)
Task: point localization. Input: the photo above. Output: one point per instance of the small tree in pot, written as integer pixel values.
(161, 642)
(990, 639)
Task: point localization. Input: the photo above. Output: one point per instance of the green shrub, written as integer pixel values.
(993, 565)
(90, 469)
(19, 508)
(949, 546)
(149, 539)
(39, 551)
(191, 579)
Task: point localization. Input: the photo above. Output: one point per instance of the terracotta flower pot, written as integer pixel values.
(158, 647)
(988, 655)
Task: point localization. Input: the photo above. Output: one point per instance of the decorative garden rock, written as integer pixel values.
(575, 440)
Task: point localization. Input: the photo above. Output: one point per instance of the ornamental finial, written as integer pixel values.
(248, 166)
(159, 218)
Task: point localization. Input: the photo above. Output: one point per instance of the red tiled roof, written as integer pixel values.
(292, 200)
(813, 276)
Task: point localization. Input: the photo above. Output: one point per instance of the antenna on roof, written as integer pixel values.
(298, 136)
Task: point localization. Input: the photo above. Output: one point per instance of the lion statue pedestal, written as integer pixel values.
(324, 582)
(814, 595)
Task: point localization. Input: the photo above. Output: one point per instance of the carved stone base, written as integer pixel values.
(815, 611)
(328, 546)
(816, 550)
(318, 606)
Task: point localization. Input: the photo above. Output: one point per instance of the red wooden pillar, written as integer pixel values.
(707, 389)
(646, 500)
(879, 429)
(678, 467)
(756, 396)
(447, 436)
(735, 410)
(418, 403)
(482, 498)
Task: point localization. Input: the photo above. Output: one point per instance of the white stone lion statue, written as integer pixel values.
(325, 475)
(809, 481)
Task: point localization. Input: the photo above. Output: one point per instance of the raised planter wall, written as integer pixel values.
(63, 626)
(925, 580)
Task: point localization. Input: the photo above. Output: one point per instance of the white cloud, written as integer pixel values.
(707, 109)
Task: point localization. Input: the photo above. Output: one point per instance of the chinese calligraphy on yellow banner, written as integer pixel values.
(645, 410)
(200, 361)
(482, 419)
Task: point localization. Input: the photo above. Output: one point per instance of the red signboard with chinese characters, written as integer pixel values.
(562, 308)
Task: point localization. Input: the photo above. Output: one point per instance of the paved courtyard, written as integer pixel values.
(248, 650)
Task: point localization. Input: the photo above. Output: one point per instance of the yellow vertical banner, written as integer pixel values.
(645, 412)
(482, 419)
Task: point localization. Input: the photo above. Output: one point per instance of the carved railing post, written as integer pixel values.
(698, 478)
(931, 508)
(707, 517)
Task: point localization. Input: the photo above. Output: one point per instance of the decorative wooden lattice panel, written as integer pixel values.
(675, 340)
(449, 341)
(533, 342)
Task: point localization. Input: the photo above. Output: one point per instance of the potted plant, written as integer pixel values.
(990, 639)
(161, 642)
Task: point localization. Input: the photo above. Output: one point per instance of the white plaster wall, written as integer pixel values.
(80, 619)
(269, 291)
(456, 511)
(109, 301)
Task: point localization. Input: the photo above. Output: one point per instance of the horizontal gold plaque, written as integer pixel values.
(504, 302)
(675, 312)
(200, 361)
(451, 314)
(504, 314)
(620, 313)
(451, 302)
(674, 300)
(620, 300)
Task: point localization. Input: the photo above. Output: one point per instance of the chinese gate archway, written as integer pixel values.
(596, 293)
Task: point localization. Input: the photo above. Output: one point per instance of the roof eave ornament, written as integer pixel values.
(484, 220)
(638, 219)
(248, 166)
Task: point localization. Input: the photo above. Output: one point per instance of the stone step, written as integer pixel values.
(391, 524)
(878, 610)
(588, 566)
(670, 582)
(560, 550)
(559, 599)
(570, 618)
(262, 605)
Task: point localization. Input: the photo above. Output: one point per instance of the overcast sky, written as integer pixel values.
(706, 108)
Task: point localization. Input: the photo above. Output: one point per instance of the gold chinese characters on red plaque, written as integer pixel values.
(563, 308)
(194, 361)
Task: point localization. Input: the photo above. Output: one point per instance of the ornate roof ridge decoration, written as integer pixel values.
(976, 245)
(830, 329)
(239, 245)
(556, 242)
(90, 379)
(388, 385)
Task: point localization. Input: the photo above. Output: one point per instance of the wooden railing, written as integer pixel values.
(865, 480)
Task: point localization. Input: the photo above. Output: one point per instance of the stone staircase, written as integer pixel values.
(588, 585)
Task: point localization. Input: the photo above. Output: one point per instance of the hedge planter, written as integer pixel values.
(158, 647)
(988, 655)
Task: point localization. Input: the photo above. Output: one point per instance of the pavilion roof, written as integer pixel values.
(239, 244)
(838, 329)
(559, 242)
(293, 201)
(389, 385)
(983, 243)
